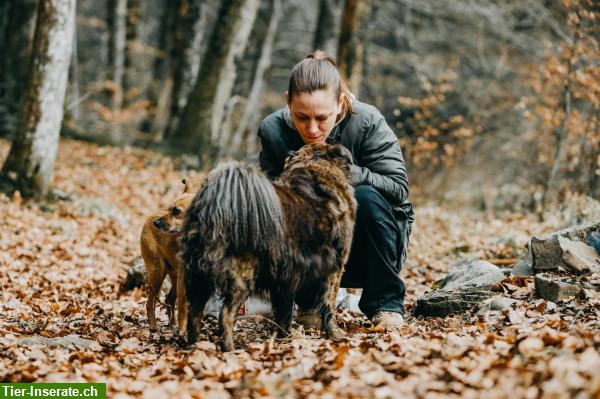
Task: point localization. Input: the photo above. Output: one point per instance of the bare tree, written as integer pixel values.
(30, 161)
(190, 25)
(132, 21)
(17, 25)
(200, 123)
(4, 11)
(328, 26)
(161, 82)
(351, 47)
(73, 107)
(117, 39)
(561, 134)
(244, 133)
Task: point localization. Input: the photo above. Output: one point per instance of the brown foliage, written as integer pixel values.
(436, 134)
(62, 264)
(566, 106)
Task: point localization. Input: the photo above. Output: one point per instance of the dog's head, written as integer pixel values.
(336, 154)
(171, 220)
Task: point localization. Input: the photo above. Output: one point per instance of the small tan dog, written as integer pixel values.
(160, 246)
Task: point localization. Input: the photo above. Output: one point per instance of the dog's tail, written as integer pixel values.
(236, 210)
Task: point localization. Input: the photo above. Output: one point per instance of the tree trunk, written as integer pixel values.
(117, 14)
(246, 128)
(201, 119)
(220, 136)
(73, 107)
(561, 133)
(4, 11)
(160, 71)
(17, 33)
(186, 55)
(182, 31)
(30, 161)
(132, 21)
(595, 161)
(328, 26)
(351, 47)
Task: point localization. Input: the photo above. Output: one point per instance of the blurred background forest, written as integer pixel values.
(495, 103)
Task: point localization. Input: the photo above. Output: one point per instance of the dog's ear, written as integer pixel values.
(290, 155)
(342, 152)
(187, 189)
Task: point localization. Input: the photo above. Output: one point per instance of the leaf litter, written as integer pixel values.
(64, 318)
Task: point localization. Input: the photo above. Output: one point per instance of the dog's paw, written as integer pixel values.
(227, 345)
(334, 333)
(281, 333)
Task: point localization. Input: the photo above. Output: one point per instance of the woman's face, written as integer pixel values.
(314, 114)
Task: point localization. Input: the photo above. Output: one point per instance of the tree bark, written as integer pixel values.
(351, 47)
(17, 34)
(201, 119)
(4, 11)
(73, 108)
(561, 133)
(191, 21)
(117, 39)
(328, 26)
(181, 33)
(246, 127)
(595, 161)
(161, 81)
(30, 162)
(132, 21)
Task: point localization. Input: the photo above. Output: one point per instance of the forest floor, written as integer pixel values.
(62, 264)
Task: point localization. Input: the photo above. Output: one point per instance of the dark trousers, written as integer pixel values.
(373, 264)
(374, 258)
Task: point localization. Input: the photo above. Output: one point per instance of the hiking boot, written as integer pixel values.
(309, 318)
(387, 319)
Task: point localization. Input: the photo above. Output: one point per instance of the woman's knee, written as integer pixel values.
(371, 204)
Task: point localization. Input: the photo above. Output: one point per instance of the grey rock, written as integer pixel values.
(468, 283)
(578, 257)
(136, 275)
(522, 268)
(69, 341)
(554, 288)
(546, 251)
(443, 303)
(496, 304)
(593, 240)
(580, 232)
(472, 274)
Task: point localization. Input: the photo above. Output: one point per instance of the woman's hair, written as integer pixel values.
(319, 72)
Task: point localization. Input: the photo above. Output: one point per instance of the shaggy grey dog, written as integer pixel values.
(245, 234)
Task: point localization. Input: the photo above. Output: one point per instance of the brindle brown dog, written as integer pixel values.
(244, 234)
(159, 242)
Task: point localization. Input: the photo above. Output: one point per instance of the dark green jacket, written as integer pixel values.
(375, 149)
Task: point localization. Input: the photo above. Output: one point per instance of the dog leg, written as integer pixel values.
(327, 307)
(239, 285)
(181, 303)
(282, 302)
(232, 302)
(156, 276)
(198, 291)
(171, 297)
